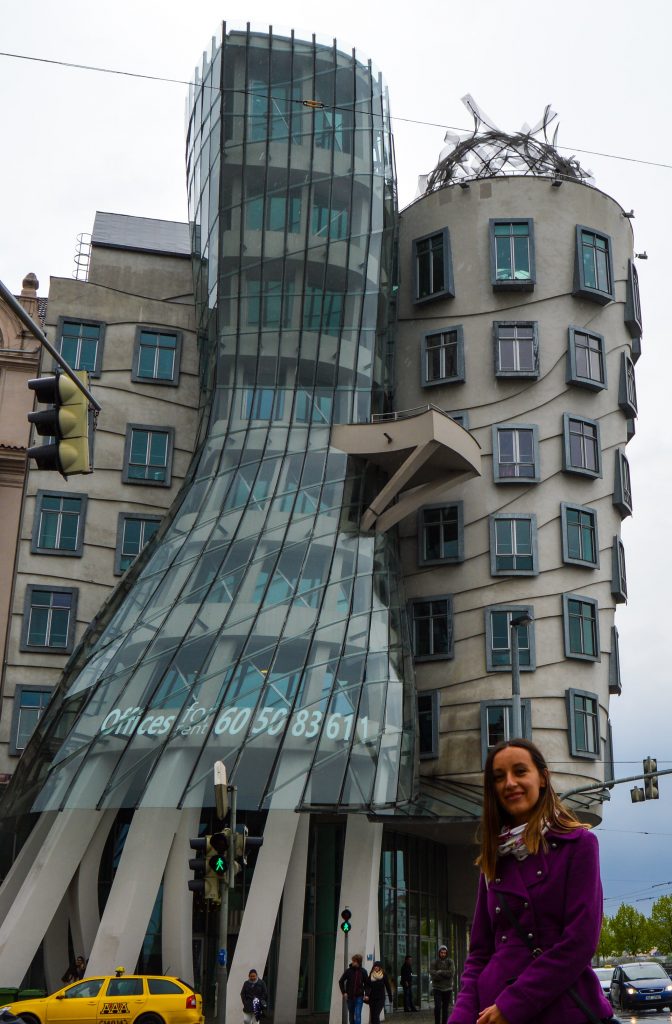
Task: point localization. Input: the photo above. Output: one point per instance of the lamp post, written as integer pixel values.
(524, 619)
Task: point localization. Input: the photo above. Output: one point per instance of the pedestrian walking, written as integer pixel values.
(352, 984)
(407, 984)
(376, 988)
(539, 908)
(75, 971)
(442, 975)
(254, 996)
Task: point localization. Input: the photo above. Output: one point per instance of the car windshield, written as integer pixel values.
(636, 972)
(604, 973)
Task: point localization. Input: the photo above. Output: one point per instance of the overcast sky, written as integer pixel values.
(76, 141)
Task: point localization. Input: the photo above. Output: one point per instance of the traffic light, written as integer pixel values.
(219, 844)
(244, 842)
(69, 422)
(637, 794)
(346, 914)
(205, 881)
(651, 784)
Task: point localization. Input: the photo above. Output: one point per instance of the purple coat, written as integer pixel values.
(557, 898)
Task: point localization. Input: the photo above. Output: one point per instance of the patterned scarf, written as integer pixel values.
(511, 841)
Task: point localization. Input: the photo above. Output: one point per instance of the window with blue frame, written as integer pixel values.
(586, 360)
(156, 356)
(58, 526)
(81, 344)
(584, 723)
(516, 348)
(30, 703)
(498, 638)
(512, 254)
(581, 627)
(432, 623)
(148, 455)
(513, 544)
(443, 356)
(515, 453)
(433, 267)
(49, 619)
(441, 533)
(134, 531)
(580, 544)
(593, 269)
(582, 453)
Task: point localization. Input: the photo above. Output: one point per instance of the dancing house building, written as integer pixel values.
(411, 431)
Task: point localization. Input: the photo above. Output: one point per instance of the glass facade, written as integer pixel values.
(263, 629)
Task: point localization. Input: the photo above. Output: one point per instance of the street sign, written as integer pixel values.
(221, 794)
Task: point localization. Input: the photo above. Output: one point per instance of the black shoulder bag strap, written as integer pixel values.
(535, 951)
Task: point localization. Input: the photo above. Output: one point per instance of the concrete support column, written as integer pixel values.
(84, 913)
(51, 865)
(263, 903)
(291, 928)
(131, 901)
(177, 953)
(55, 947)
(359, 891)
(16, 875)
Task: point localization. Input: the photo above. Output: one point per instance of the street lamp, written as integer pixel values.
(524, 619)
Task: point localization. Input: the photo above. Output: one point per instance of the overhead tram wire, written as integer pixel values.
(325, 106)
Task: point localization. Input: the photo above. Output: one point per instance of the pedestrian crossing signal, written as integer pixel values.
(346, 914)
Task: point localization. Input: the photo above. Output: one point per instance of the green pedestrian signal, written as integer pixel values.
(346, 914)
(218, 865)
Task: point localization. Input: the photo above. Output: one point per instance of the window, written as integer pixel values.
(622, 488)
(581, 627)
(460, 417)
(163, 987)
(58, 526)
(148, 455)
(283, 211)
(314, 406)
(125, 987)
(80, 342)
(330, 132)
(615, 664)
(265, 306)
(156, 356)
(428, 724)
(498, 638)
(593, 271)
(619, 582)
(133, 532)
(496, 723)
(516, 348)
(270, 110)
(627, 391)
(432, 620)
(512, 255)
(29, 705)
(441, 534)
(263, 404)
(329, 220)
(515, 453)
(584, 723)
(579, 535)
(443, 357)
(513, 545)
(586, 362)
(49, 619)
(433, 267)
(322, 310)
(633, 309)
(581, 446)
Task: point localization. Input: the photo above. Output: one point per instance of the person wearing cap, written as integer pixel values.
(442, 974)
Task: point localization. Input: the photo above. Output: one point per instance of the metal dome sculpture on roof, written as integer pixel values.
(488, 151)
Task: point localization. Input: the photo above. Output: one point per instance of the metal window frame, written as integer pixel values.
(566, 598)
(35, 547)
(122, 519)
(152, 428)
(573, 376)
(14, 749)
(435, 697)
(619, 580)
(565, 507)
(492, 525)
(567, 465)
(620, 496)
(586, 755)
(24, 646)
(632, 313)
(518, 480)
(456, 378)
(512, 285)
(98, 365)
(615, 685)
(499, 372)
(581, 289)
(484, 708)
(513, 610)
(450, 653)
(627, 387)
(459, 506)
(171, 382)
(448, 291)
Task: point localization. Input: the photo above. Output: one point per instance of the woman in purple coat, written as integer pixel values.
(539, 908)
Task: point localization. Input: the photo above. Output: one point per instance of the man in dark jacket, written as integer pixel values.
(352, 984)
(442, 973)
(253, 989)
(407, 984)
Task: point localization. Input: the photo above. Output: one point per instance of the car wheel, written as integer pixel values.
(27, 1018)
(149, 1018)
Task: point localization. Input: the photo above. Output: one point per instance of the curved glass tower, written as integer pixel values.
(262, 627)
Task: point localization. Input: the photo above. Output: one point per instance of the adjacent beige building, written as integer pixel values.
(131, 324)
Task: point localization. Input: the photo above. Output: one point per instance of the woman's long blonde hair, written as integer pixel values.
(549, 810)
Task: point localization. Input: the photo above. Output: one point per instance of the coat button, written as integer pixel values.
(498, 880)
(554, 846)
(497, 910)
(530, 935)
(540, 873)
(526, 905)
(503, 938)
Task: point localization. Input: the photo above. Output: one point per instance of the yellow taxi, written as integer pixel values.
(117, 999)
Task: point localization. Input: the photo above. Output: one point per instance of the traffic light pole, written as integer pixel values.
(613, 782)
(346, 963)
(30, 324)
(225, 884)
